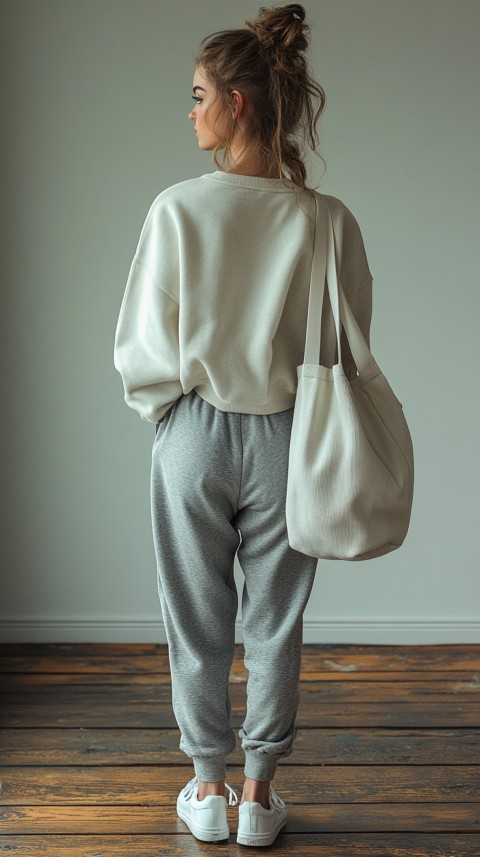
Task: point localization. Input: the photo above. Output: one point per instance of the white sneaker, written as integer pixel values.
(258, 826)
(207, 818)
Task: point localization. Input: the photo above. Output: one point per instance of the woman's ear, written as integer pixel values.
(238, 102)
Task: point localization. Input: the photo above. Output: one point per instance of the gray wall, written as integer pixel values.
(95, 125)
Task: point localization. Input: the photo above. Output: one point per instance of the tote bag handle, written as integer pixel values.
(324, 269)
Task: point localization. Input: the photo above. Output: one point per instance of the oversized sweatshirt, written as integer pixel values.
(216, 298)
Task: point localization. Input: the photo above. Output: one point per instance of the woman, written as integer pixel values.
(211, 330)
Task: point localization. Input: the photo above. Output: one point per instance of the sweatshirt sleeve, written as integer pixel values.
(146, 349)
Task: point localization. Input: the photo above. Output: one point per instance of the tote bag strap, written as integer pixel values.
(317, 289)
(324, 269)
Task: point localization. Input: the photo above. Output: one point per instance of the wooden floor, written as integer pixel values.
(386, 763)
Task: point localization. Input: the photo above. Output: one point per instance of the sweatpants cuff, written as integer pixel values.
(210, 769)
(260, 766)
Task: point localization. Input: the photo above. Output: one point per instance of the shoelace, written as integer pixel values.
(275, 800)
(232, 796)
(191, 787)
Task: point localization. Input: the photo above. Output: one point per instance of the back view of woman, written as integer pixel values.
(210, 334)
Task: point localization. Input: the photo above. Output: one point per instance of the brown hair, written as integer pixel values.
(265, 62)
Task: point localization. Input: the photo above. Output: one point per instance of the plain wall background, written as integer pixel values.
(95, 105)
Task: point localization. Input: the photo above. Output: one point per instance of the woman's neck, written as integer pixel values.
(252, 171)
(251, 166)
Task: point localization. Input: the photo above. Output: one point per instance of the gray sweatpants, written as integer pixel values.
(218, 487)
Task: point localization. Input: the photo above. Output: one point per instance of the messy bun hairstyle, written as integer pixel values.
(266, 62)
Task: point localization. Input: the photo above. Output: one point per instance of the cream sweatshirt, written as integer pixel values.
(217, 295)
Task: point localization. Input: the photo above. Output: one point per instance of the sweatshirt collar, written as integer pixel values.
(255, 182)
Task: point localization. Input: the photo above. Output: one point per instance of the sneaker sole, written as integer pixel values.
(262, 839)
(205, 834)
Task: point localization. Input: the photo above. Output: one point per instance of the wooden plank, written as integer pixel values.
(460, 681)
(90, 747)
(81, 650)
(302, 818)
(436, 692)
(108, 666)
(334, 691)
(124, 711)
(157, 785)
(153, 658)
(412, 676)
(306, 845)
(396, 690)
(312, 746)
(18, 683)
(394, 659)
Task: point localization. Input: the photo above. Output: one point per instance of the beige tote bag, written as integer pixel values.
(350, 474)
